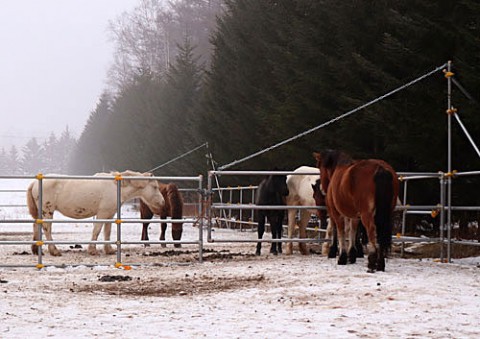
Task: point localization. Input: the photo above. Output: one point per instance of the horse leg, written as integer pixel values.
(367, 220)
(352, 235)
(331, 247)
(106, 235)
(381, 259)
(36, 237)
(163, 229)
(304, 217)
(47, 229)
(280, 231)
(145, 232)
(145, 213)
(360, 240)
(276, 226)
(340, 226)
(177, 230)
(291, 229)
(274, 229)
(260, 230)
(92, 248)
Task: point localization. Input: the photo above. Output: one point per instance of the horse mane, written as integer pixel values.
(330, 159)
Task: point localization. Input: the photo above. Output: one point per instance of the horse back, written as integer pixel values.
(354, 187)
(300, 186)
(173, 200)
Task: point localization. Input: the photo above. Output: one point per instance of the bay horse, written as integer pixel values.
(85, 198)
(363, 188)
(300, 193)
(173, 208)
(271, 192)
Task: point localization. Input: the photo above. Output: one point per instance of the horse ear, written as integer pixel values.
(317, 156)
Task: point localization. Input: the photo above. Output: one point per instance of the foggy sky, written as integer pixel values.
(53, 64)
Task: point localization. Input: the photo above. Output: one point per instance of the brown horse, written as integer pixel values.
(173, 208)
(364, 188)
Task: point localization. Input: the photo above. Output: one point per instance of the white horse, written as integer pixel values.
(300, 187)
(79, 198)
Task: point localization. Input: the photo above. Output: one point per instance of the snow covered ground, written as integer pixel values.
(232, 294)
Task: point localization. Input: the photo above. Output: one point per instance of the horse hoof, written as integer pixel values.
(332, 253)
(352, 260)
(325, 249)
(289, 250)
(163, 245)
(55, 253)
(35, 249)
(177, 245)
(257, 253)
(303, 249)
(92, 251)
(342, 259)
(352, 257)
(370, 270)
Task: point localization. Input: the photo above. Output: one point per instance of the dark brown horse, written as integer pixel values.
(364, 188)
(173, 208)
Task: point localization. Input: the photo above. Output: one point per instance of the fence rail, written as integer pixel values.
(211, 207)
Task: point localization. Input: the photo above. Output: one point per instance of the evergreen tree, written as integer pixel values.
(32, 161)
(50, 147)
(4, 169)
(179, 121)
(13, 161)
(64, 151)
(88, 155)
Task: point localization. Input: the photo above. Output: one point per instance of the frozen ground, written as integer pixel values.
(232, 294)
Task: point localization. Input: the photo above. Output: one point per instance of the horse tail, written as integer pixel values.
(383, 205)
(32, 205)
(176, 201)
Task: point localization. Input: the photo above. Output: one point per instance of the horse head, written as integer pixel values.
(327, 163)
(147, 189)
(319, 198)
(280, 184)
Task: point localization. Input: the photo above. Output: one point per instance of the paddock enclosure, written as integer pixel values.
(220, 210)
(220, 222)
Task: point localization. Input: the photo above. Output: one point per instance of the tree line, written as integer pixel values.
(243, 75)
(50, 156)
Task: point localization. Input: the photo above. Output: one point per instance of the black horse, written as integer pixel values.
(271, 192)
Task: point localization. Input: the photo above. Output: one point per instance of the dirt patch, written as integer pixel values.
(109, 278)
(188, 285)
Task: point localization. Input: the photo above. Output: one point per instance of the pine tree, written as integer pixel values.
(13, 161)
(87, 155)
(32, 161)
(4, 170)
